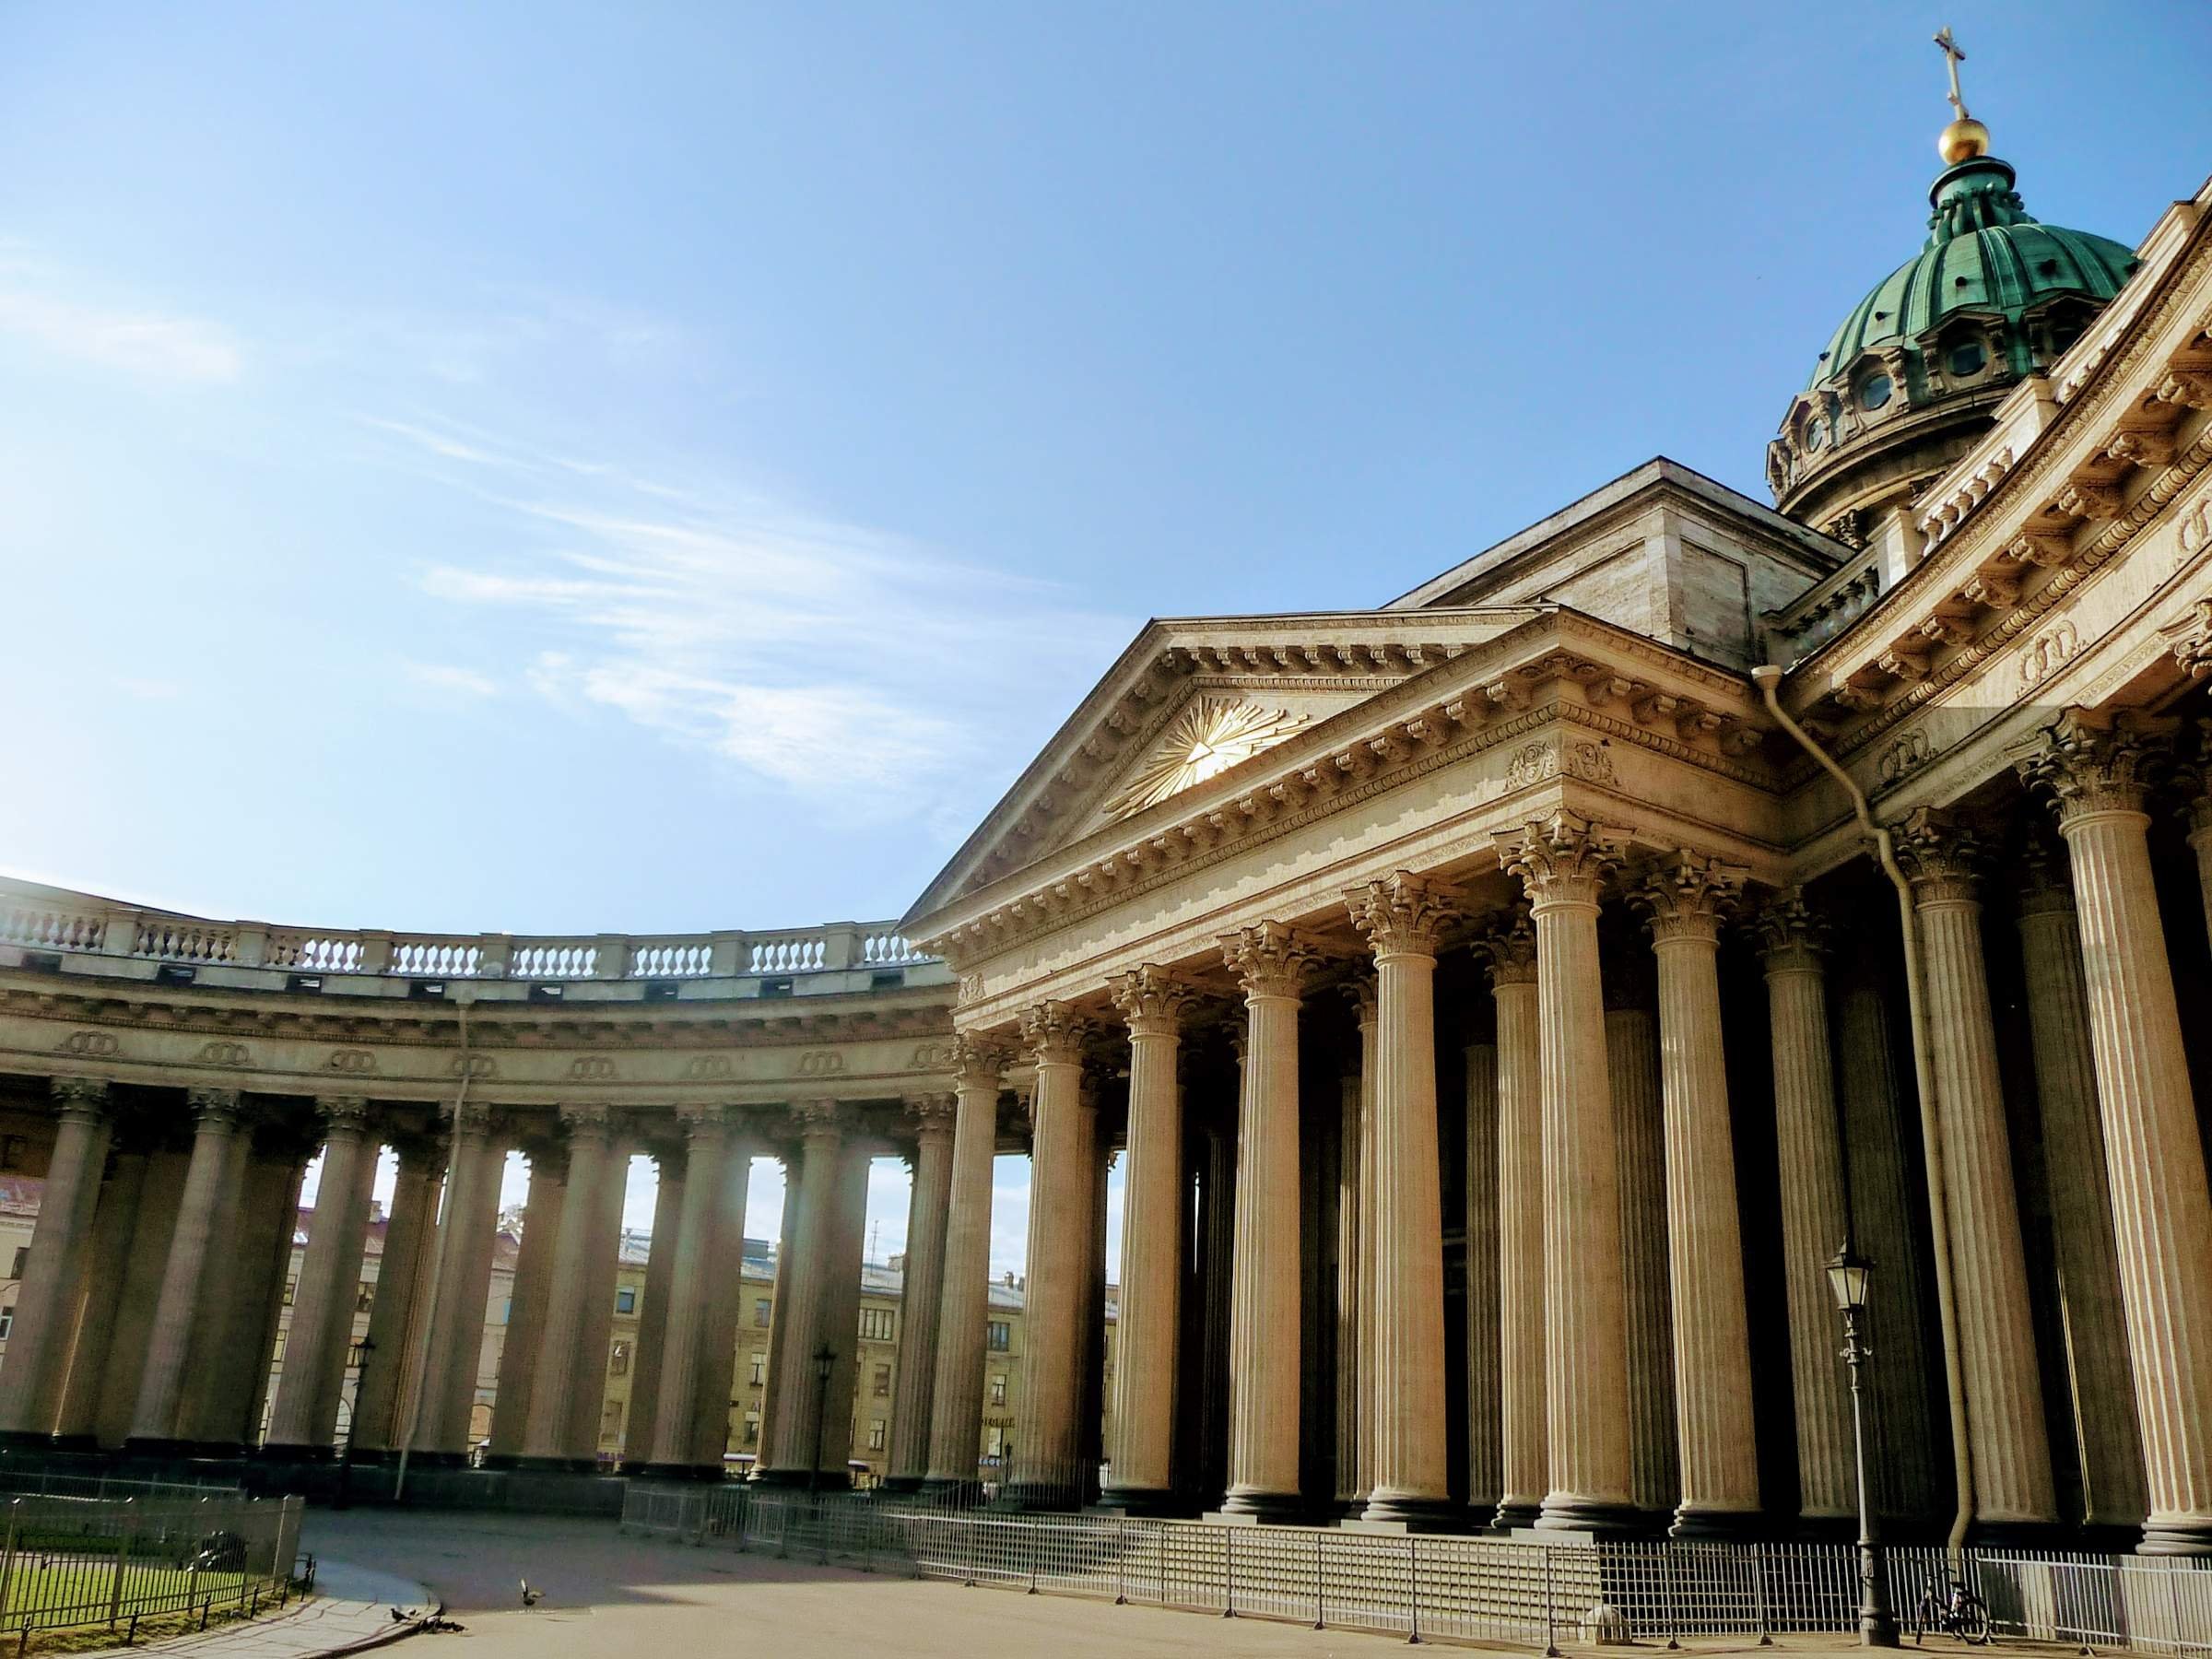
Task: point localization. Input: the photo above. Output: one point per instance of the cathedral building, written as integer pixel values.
(1504, 1002)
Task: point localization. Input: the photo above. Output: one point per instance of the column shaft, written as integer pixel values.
(1485, 1479)
(1350, 1330)
(956, 1397)
(391, 1366)
(717, 1359)
(641, 1422)
(1046, 1457)
(304, 1423)
(543, 1208)
(53, 1289)
(215, 1135)
(107, 1268)
(1640, 1114)
(921, 1299)
(802, 1294)
(453, 1344)
(567, 1367)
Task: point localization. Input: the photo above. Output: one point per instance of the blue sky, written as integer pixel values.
(548, 468)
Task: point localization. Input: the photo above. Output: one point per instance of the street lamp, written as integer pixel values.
(1847, 1276)
(353, 1419)
(825, 1357)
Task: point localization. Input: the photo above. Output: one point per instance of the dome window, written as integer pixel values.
(1875, 391)
(1967, 358)
(1812, 436)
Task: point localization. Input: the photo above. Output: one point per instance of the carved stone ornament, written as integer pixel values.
(79, 1096)
(1208, 738)
(1152, 999)
(1684, 895)
(469, 1118)
(589, 1122)
(1792, 933)
(701, 1123)
(1566, 859)
(1055, 1034)
(1941, 857)
(1268, 958)
(2045, 885)
(343, 1114)
(215, 1107)
(2091, 764)
(1403, 914)
(2190, 640)
(977, 1060)
(818, 1120)
(1509, 948)
(931, 1113)
(1360, 994)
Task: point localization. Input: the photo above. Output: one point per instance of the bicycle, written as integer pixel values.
(1948, 1609)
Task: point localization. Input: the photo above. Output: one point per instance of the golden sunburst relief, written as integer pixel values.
(1211, 735)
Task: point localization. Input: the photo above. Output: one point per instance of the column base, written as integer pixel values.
(157, 1447)
(1513, 1515)
(1394, 1513)
(77, 1444)
(1151, 1502)
(1563, 1511)
(900, 1486)
(1272, 1508)
(2177, 1535)
(1715, 1525)
(501, 1460)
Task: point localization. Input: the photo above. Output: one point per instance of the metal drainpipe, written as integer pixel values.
(462, 998)
(1768, 678)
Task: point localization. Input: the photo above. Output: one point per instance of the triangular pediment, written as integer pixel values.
(1195, 701)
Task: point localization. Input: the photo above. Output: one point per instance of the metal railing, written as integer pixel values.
(51, 919)
(1469, 1589)
(52, 1482)
(85, 1561)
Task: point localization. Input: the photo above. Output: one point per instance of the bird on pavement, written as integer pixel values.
(530, 1597)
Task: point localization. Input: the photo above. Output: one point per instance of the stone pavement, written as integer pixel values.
(351, 1610)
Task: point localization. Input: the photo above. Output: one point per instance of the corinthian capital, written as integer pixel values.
(79, 1097)
(1055, 1034)
(1509, 948)
(1269, 959)
(1152, 999)
(1684, 895)
(978, 1059)
(1792, 933)
(819, 1121)
(702, 1122)
(2091, 764)
(588, 1123)
(343, 1114)
(1563, 859)
(931, 1113)
(214, 1108)
(1941, 857)
(1403, 914)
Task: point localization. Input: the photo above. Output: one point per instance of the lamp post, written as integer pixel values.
(345, 1492)
(1847, 1276)
(825, 1357)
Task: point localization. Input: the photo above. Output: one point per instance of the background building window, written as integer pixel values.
(999, 1335)
(998, 1389)
(363, 1295)
(759, 1366)
(22, 1255)
(7, 1322)
(876, 1435)
(874, 1325)
(883, 1381)
(760, 1312)
(626, 1301)
(752, 1430)
(357, 1355)
(619, 1365)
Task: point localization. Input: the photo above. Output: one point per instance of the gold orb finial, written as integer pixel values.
(1962, 140)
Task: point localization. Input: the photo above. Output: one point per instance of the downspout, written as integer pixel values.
(1768, 678)
(445, 1235)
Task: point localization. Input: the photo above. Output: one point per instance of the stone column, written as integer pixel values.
(1562, 863)
(2154, 1152)
(956, 1399)
(1809, 1149)
(641, 1425)
(1640, 1122)
(1510, 954)
(568, 1366)
(543, 1209)
(717, 1363)
(802, 1292)
(116, 1220)
(2003, 1391)
(1153, 1201)
(52, 1292)
(601, 1209)
(1486, 1478)
(691, 1292)
(1683, 898)
(391, 1369)
(922, 1293)
(2106, 1432)
(467, 1232)
(791, 1154)
(839, 1325)
(1356, 1247)
(1402, 917)
(1046, 1449)
(225, 1410)
(1216, 1264)
(1912, 1465)
(217, 1136)
(1271, 963)
(305, 1422)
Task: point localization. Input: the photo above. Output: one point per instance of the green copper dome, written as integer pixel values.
(1983, 256)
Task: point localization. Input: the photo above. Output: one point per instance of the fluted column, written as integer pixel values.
(1683, 900)
(566, 1366)
(1562, 863)
(2154, 1152)
(641, 1422)
(1152, 1001)
(51, 1293)
(2005, 1397)
(791, 1155)
(1355, 1271)
(1271, 963)
(544, 1207)
(802, 1292)
(1486, 1480)
(921, 1303)
(716, 1364)
(1402, 917)
(390, 1360)
(1509, 952)
(304, 1422)
(467, 1232)
(1809, 1149)
(1046, 1446)
(218, 1129)
(690, 1291)
(2107, 1437)
(1640, 1125)
(92, 1361)
(957, 1400)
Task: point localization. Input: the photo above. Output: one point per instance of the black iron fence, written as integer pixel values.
(69, 1560)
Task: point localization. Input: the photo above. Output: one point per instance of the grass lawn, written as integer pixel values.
(60, 1591)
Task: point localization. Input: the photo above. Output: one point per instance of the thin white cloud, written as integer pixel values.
(452, 678)
(142, 343)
